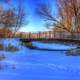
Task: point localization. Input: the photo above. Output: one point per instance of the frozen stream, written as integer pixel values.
(39, 65)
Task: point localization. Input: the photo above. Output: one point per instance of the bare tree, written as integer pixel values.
(13, 18)
(20, 16)
(69, 12)
(68, 15)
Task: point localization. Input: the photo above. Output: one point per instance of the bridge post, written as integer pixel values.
(77, 35)
(29, 35)
(54, 34)
(60, 35)
(49, 34)
(39, 35)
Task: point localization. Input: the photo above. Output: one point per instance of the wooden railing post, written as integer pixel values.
(29, 35)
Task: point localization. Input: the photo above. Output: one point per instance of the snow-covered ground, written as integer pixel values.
(28, 64)
(57, 46)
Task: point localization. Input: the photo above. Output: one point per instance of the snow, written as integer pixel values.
(27, 64)
(54, 46)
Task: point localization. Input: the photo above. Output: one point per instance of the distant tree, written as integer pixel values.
(68, 15)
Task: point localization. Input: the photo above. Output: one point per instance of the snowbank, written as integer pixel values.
(54, 46)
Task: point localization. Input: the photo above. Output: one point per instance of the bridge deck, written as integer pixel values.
(52, 40)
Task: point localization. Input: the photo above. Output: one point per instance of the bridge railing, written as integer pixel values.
(52, 35)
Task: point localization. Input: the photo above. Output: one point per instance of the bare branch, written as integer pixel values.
(69, 12)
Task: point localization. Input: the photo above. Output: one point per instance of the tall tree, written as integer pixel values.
(69, 12)
(68, 15)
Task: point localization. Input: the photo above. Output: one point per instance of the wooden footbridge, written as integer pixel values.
(50, 35)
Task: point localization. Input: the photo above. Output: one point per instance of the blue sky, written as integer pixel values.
(35, 22)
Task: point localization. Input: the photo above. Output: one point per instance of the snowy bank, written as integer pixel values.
(54, 46)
